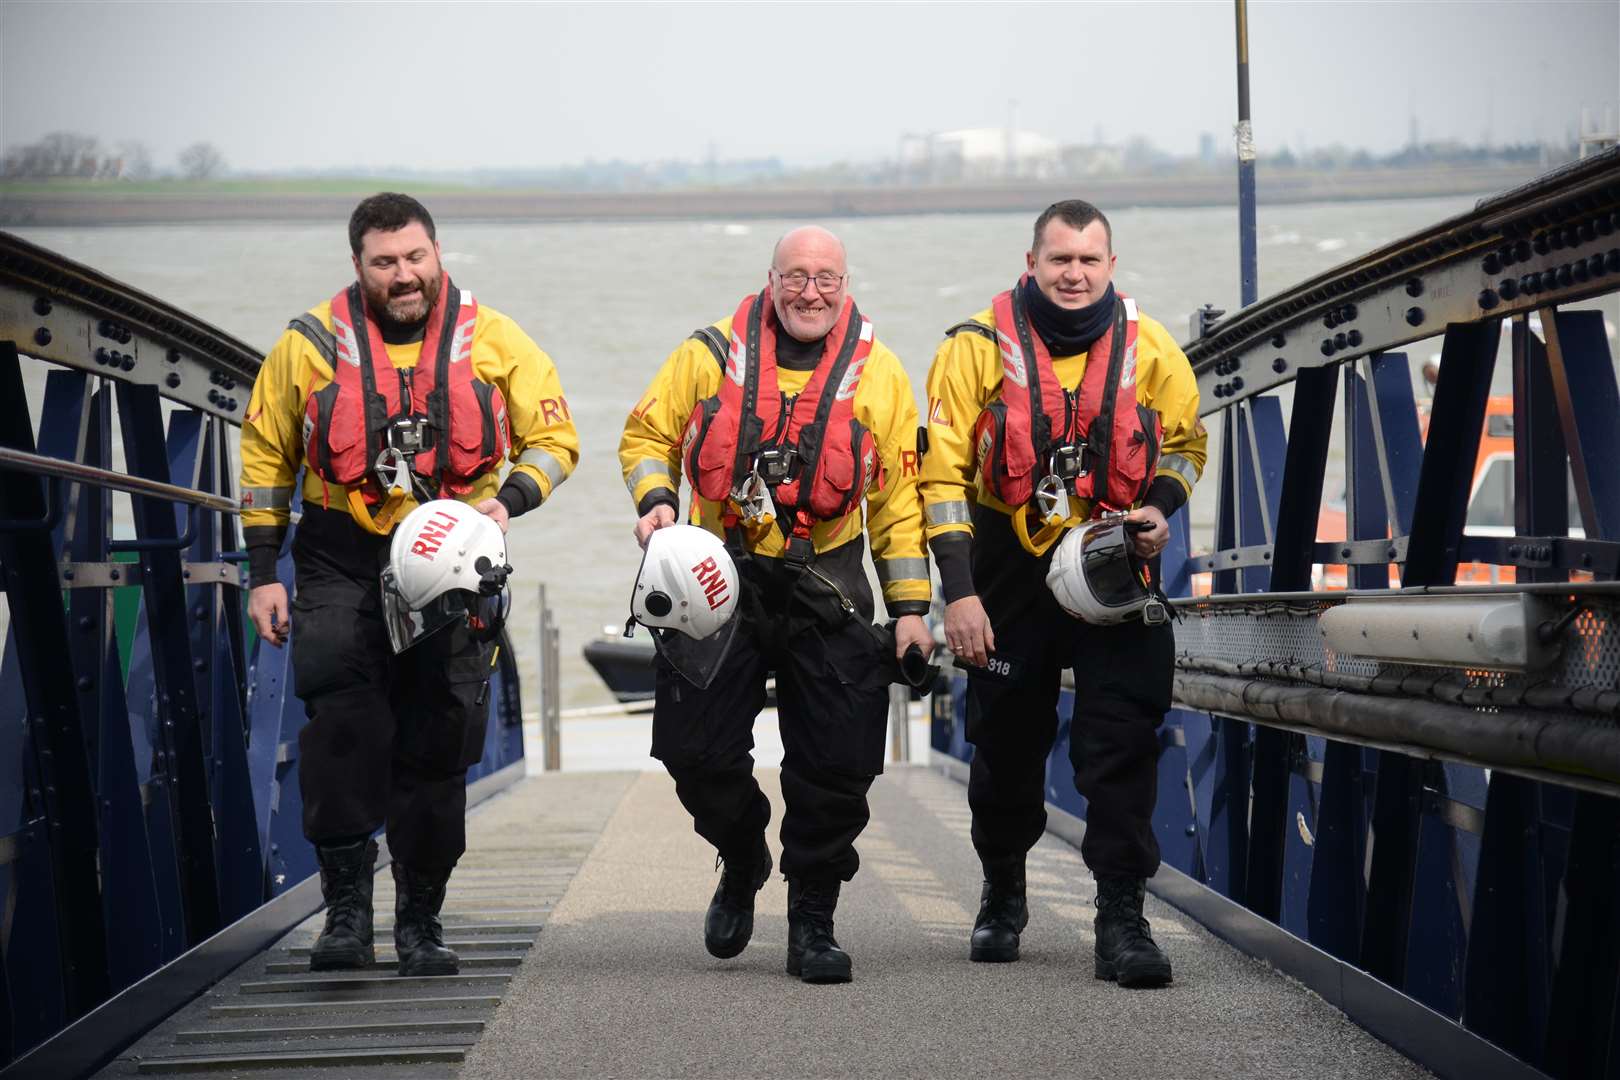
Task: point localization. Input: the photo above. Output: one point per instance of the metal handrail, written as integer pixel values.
(60, 468)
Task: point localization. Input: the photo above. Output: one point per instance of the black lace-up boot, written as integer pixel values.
(730, 920)
(1126, 952)
(1003, 914)
(345, 940)
(813, 953)
(418, 937)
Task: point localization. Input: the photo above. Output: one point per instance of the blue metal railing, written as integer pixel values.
(148, 746)
(1463, 905)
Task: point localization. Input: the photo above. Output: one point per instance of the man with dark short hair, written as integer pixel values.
(793, 425)
(1063, 376)
(400, 388)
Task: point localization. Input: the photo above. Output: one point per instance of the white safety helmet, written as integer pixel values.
(1097, 576)
(447, 562)
(686, 594)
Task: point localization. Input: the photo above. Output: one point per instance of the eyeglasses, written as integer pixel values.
(795, 281)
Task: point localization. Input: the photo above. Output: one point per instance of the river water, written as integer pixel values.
(609, 301)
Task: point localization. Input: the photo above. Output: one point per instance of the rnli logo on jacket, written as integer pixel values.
(735, 360)
(433, 534)
(348, 349)
(461, 344)
(1127, 375)
(1012, 361)
(708, 575)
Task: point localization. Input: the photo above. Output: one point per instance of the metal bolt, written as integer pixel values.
(1521, 250)
(1414, 287)
(1565, 277)
(42, 336)
(1509, 256)
(1331, 319)
(1492, 264)
(1414, 316)
(1487, 299)
(199, 663)
(1555, 240)
(83, 682)
(1611, 263)
(1542, 245)
(1508, 287)
(1237, 382)
(172, 356)
(1579, 272)
(1513, 551)
(67, 574)
(1348, 313)
(1354, 338)
(1345, 552)
(1530, 284)
(1572, 236)
(1327, 346)
(85, 622)
(1587, 232)
(116, 574)
(172, 380)
(1279, 365)
(42, 306)
(1278, 341)
(1340, 340)
(1595, 267)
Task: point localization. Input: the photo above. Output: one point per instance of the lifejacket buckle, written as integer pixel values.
(1067, 462)
(776, 464)
(408, 435)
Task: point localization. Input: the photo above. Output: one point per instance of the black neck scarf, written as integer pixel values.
(1066, 332)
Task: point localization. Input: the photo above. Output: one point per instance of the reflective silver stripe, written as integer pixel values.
(650, 467)
(892, 570)
(948, 513)
(546, 463)
(1181, 466)
(267, 498)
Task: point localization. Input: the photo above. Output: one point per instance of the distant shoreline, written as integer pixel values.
(34, 205)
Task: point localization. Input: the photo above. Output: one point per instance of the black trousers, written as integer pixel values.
(389, 738)
(1122, 678)
(832, 699)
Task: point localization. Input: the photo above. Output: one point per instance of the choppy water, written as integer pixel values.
(609, 301)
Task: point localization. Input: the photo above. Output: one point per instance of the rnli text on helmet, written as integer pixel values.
(431, 538)
(708, 575)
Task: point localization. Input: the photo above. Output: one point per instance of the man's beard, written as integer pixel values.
(392, 314)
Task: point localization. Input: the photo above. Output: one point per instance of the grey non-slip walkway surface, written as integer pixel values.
(273, 1017)
(619, 984)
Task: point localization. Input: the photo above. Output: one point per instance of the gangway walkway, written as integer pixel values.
(618, 983)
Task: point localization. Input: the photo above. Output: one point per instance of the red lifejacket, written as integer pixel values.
(831, 456)
(346, 422)
(1117, 437)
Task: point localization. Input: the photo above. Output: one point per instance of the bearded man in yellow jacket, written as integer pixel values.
(792, 401)
(401, 383)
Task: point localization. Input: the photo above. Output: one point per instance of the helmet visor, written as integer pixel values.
(697, 660)
(1111, 569)
(406, 626)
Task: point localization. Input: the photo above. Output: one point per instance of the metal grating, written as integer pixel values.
(1281, 641)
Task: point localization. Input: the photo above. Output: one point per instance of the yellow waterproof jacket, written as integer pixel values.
(545, 446)
(966, 376)
(650, 454)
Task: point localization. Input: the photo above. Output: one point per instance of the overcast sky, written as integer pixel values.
(456, 86)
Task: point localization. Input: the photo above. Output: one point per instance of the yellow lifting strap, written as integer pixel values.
(383, 522)
(1048, 534)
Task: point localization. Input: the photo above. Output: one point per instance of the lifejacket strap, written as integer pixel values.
(324, 340)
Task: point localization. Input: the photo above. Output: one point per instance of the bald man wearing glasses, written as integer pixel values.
(791, 422)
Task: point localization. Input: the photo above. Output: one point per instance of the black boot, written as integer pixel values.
(730, 920)
(345, 941)
(418, 937)
(813, 953)
(1003, 914)
(1126, 952)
